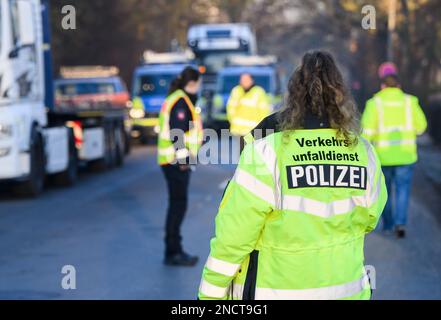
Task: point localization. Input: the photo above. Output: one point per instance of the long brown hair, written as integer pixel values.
(317, 87)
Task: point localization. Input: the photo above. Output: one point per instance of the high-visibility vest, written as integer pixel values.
(391, 121)
(167, 153)
(245, 110)
(292, 222)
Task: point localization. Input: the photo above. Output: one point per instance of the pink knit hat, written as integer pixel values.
(387, 69)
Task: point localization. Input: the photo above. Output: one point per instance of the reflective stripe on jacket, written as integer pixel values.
(292, 222)
(167, 153)
(391, 121)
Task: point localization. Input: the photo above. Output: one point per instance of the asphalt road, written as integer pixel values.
(110, 228)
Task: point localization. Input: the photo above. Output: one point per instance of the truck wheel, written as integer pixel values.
(70, 175)
(112, 146)
(34, 185)
(144, 139)
(119, 145)
(128, 143)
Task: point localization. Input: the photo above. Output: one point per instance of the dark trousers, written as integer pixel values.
(177, 184)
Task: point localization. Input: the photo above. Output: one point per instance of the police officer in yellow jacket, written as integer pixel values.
(247, 106)
(391, 121)
(179, 139)
(308, 188)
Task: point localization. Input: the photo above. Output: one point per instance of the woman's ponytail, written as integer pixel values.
(315, 95)
(175, 85)
(181, 81)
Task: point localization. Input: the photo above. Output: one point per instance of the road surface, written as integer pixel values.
(110, 228)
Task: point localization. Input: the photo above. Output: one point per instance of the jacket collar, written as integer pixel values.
(193, 97)
(312, 122)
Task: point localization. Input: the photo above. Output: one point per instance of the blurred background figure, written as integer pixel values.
(180, 137)
(391, 121)
(247, 107)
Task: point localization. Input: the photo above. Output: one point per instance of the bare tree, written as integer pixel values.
(118, 31)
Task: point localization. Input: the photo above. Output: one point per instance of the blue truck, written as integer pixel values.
(151, 81)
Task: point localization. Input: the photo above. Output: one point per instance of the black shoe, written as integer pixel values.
(400, 231)
(181, 259)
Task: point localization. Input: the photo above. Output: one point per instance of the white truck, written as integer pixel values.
(37, 140)
(214, 44)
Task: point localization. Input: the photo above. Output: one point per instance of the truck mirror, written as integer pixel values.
(14, 53)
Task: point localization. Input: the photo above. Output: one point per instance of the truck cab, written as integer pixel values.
(265, 76)
(22, 91)
(151, 82)
(213, 45)
(38, 142)
(91, 92)
(98, 90)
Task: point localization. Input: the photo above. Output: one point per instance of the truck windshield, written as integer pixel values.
(83, 88)
(227, 83)
(157, 84)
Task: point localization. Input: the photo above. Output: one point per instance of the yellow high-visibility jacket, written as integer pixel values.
(245, 110)
(293, 220)
(391, 121)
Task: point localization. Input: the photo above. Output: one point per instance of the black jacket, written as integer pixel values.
(272, 124)
(180, 120)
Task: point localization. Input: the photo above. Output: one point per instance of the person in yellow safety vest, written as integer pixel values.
(308, 188)
(247, 106)
(179, 139)
(391, 121)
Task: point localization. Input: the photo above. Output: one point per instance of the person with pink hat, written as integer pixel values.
(391, 122)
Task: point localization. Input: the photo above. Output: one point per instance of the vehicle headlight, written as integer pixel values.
(137, 113)
(5, 131)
